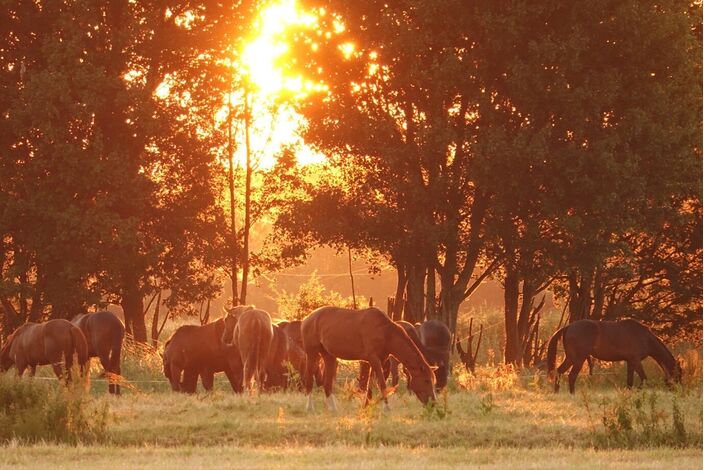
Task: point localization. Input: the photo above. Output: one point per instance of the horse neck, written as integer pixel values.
(403, 349)
(661, 354)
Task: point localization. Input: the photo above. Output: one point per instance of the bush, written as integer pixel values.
(34, 410)
(636, 419)
(311, 295)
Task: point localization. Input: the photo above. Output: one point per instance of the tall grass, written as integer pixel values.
(33, 410)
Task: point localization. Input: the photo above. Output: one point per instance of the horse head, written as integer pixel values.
(422, 382)
(5, 360)
(231, 318)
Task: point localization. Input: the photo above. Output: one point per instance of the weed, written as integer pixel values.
(487, 405)
(33, 410)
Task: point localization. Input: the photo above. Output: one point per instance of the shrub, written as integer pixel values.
(34, 410)
(311, 295)
(636, 419)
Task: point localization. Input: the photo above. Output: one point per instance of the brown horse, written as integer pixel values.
(104, 333)
(296, 356)
(391, 364)
(361, 335)
(276, 371)
(624, 340)
(436, 338)
(194, 351)
(38, 344)
(248, 334)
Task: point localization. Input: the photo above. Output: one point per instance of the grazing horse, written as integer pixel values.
(624, 340)
(104, 333)
(38, 344)
(391, 364)
(197, 350)
(361, 335)
(436, 338)
(247, 336)
(276, 371)
(295, 355)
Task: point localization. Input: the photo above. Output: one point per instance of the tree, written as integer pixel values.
(126, 196)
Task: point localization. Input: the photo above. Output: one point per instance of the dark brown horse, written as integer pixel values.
(104, 333)
(624, 340)
(194, 351)
(296, 356)
(276, 370)
(361, 335)
(436, 338)
(249, 333)
(37, 344)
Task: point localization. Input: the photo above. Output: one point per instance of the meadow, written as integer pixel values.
(497, 418)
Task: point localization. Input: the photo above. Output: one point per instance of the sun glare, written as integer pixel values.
(264, 55)
(263, 59)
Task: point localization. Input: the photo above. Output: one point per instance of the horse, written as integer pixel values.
(361, 335)
(247, 335)
(624, 340)
(104, 333)
(194, 351)
(276, 372)
(436, 338)
(295, 355)
(38, 344)
(391, 364)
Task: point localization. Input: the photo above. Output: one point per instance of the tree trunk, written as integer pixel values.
(413, 310)
(155, 321)
(430, 301)
(511, 281)
(247, 199)
(133, 309)
(233, 202)
(401, 281)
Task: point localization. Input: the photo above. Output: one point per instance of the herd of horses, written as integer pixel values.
(253, 351)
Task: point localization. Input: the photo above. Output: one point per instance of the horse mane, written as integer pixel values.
(664, 353)
(401, 338)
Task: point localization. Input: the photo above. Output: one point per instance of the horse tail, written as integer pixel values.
(116, 352)
(552, 349)
(80, 346)
(253, 356)
(166, 364)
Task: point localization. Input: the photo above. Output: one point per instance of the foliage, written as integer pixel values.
(311, 295)
(32, 410)
(635, 419)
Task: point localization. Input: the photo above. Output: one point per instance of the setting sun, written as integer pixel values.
(263, 59)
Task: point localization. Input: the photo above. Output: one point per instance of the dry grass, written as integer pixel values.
(334, 457)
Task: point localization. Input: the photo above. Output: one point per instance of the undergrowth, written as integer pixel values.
(34, 410)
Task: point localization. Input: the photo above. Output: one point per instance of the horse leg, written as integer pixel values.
(190, 381)
(32, 370)
(364, 371)
(311, 365)
(590, 362)
(575, 372)
(175, 377)
(393, 365)
(639, 370)
(57, 369)
(207, 378)
(235, 379)
(328, 379)
(562, 368)
(629, 374)
(375, 364)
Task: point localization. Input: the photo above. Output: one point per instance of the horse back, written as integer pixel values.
(194, 346)
(348, 334)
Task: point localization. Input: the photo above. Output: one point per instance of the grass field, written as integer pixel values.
(498, 418)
